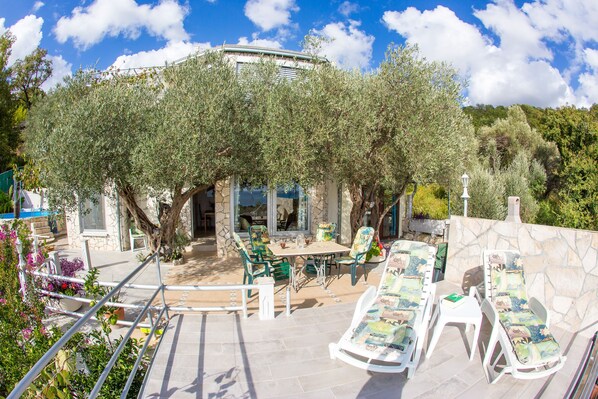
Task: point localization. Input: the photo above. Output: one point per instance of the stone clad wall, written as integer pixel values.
(105, 240)
(224, 239)
(560, 264)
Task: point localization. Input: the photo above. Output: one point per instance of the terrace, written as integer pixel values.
(217, 354)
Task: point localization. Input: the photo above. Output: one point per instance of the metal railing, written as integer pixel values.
(29, 378)
(146, 309)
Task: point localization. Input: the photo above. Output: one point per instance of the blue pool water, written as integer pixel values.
(25, 214)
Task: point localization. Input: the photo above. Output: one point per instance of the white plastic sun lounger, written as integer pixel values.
(389, 325)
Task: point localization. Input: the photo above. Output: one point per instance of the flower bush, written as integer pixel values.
(375, 249)
(23, 336)
(24, 339)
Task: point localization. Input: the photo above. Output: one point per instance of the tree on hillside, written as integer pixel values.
(28, 76)
(169, 136)
(8, 134)
(575, 200)
(484, 114)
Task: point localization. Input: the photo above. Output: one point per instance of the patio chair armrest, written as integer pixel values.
(359, 255)
(363, 304)
(473, 291)
(490, 311)
(539, 310)
(265, 263)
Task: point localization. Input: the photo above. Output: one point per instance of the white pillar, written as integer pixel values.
(266, 297)
(513, 210)
(56, 260)
(86, 256)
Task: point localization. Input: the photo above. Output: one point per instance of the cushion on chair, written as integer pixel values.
(531, 340)
(345, 260)
(259, 240)
(325, 232)
(388, 324)
(362, 242)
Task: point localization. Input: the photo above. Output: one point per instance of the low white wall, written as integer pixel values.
(561, 265)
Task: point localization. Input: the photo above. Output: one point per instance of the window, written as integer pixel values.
(281, 209)
(91, 214)
(250, 206)
(291, 209)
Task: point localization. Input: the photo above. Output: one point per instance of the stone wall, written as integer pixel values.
(561, 264)
(224, 239)
(318, 200)
(105, 240)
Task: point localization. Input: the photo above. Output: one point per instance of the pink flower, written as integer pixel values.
(27, 333)
(2, 301)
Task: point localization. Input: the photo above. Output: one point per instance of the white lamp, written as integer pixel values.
(465, 195)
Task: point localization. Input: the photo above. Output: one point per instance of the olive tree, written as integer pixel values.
(401, 124)
(169, 135)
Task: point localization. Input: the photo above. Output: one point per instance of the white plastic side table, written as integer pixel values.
(467, 313)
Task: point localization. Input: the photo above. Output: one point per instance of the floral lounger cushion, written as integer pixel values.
(388, 324)
(531, 340)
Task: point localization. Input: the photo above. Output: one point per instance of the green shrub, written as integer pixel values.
(431, 201)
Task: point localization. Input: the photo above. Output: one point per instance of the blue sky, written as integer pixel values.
(539, 52)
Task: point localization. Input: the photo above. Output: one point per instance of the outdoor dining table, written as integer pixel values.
(313, 249)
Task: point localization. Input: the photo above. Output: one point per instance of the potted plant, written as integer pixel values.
(377, 253)
(95, 291)
(65, 288)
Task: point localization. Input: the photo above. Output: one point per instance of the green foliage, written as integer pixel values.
(23, 337)
(6, 202)
(485, 115)
(431, 200)
(96, 348)
(575, 200)
(29, 74)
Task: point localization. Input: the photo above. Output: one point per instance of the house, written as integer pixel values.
(230, 205)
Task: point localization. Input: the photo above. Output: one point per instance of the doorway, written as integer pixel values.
(204, 216)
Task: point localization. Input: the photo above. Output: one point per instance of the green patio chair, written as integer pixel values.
(440, 263)
(361, 246)
(259, 239)
(253, 268)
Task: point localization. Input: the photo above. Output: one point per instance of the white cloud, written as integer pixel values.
(518, 36)
(441, 35)
(60, 69)
(256, 41)
(347, 8)
(514, 69)
(89, 25)
(28, 35)
(173, 51)
(37, 6)
(557, 18)
(348, 46)
(270, 14)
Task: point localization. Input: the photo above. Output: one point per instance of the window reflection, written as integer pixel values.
(251, 206)
(92, 214)
(291, 209)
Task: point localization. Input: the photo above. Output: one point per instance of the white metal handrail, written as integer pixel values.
(28, 379)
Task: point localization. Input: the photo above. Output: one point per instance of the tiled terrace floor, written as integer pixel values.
(224, 356)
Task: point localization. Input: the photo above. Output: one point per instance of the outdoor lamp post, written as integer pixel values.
(465, 195)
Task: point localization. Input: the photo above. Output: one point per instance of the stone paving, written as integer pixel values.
(225, 356)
